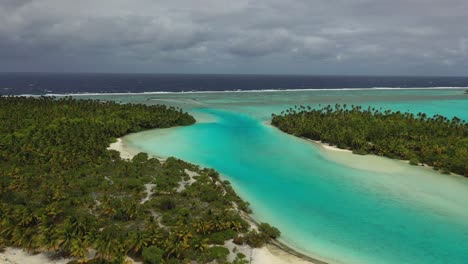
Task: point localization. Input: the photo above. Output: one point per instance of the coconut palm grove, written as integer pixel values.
(437, 141)
(63, 191)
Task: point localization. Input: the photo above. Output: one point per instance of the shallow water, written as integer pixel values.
(333, 205)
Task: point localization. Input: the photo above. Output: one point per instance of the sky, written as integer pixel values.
(353, 37)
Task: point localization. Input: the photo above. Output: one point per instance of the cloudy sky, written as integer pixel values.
(390, 37)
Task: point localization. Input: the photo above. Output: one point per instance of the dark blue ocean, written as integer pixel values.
(66, 83)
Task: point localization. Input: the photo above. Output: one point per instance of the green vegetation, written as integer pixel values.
(435, 141)
(269, 230)
(258, 238)
(62, 191)
(216, 253)
(152, 255)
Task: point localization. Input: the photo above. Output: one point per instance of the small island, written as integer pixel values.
(63, 192)
(436, 141)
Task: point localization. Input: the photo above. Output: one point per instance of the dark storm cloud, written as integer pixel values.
(300, 36)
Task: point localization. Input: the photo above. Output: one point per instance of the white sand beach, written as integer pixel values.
(264, 255)
(328, 146)
(19, 256)
(273, 255)
(125, 151)
(268, 254)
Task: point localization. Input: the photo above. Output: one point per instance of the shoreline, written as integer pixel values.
(285, 253)
(123, 149)
(327, 147)
(276, 252)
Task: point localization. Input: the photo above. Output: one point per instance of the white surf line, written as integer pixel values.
(251, 91)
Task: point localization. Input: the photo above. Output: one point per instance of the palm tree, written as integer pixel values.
(66, 236)
(79, 249)
(136, 241)
(25, 238)
(177, 243)
(203, 227)
(200, 244)
(109, 244)
(106, 248)
(49, 239)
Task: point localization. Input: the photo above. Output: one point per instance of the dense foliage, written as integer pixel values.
(61, 190)
(435, 141)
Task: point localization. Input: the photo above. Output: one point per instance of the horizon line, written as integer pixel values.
(233, 74)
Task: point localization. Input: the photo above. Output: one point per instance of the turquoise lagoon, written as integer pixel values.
(332, 205)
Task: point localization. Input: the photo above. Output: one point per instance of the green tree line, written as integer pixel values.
(63, 191)
(436, 141)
